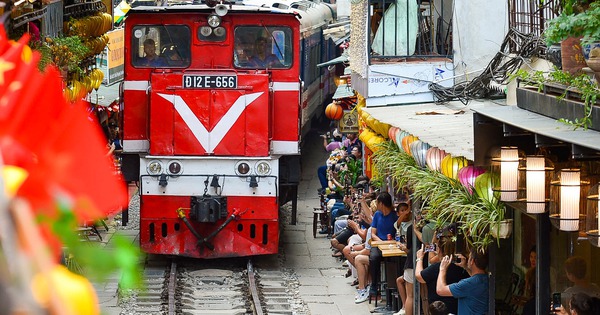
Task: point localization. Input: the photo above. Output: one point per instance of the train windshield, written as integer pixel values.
(260, 47)
(161, 46)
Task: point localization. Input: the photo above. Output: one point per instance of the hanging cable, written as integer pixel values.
(498, 70)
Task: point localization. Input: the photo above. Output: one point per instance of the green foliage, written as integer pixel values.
(582, 83)
(90, 258)
(64, 52)
(573, 22)
(446, 199)
(353, 171)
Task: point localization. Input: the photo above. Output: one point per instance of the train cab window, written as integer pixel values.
(259, 47)
(161, 46)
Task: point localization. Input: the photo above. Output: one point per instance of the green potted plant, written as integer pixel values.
(578, 23)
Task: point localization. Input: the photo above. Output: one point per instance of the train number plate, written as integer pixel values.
(209, 81)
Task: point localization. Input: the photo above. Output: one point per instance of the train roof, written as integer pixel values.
(311, 14)
(264, 6)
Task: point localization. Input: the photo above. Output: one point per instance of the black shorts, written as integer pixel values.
(344, 235)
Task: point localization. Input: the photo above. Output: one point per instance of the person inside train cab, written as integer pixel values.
(263, 57)
(151, 58)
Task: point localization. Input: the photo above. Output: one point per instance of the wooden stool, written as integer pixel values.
(318, 216)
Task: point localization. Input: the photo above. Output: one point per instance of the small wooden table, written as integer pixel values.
(391, 252)
(380, 243)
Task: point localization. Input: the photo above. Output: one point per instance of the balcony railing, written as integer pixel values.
(409, 29)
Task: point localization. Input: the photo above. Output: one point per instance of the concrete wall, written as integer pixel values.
(478, 29)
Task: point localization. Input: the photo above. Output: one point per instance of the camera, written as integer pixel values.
(430, 248)
(556, 303)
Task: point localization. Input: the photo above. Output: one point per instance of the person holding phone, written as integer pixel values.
(429, 275)
(473, 292)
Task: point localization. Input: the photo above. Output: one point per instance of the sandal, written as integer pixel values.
(337, 254)
(348, 274)
(355, 282)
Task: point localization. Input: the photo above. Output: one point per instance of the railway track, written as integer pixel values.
(191, 287)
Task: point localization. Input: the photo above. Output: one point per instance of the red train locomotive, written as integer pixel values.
(215, 101)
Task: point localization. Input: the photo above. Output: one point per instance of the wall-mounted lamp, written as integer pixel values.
(566, 199)
(508, 162)
(537, 180)
(593, 220)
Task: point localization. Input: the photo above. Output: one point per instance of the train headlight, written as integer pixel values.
(175, 168)
(205, 31)
(154, 168)
(214, 20)
(263, 168)
(219, 31)
(242, 168)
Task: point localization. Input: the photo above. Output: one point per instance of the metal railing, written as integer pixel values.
(409, 28)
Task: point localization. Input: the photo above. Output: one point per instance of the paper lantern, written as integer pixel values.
(484, 187)
(406, 141)
(467, 175)
(451, 165)
(434, 158)
(334, 111)
(392, 133)
(418, 150)
(399, 136)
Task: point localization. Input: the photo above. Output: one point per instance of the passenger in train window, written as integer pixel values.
(152, 59)
(263, 57)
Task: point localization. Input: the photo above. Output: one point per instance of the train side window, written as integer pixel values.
(259, 47)
(161, 46)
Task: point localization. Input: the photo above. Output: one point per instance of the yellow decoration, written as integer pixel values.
(451, 165)
(75, 292)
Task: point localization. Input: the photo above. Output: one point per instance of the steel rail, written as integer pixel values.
(172, 285)
(258, 310)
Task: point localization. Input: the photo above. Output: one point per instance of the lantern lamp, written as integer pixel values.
(406, 141)
(534, 182)
(592, 218)
(508, 164)
(452, 164)
(566, 203)
(468, 174)
(399, 136)
(418, 150)
(434, 158)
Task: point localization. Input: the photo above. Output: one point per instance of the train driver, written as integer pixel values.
(263, 57)
(152, 59)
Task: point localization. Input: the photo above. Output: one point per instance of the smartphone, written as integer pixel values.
(556, 303)
(402, 238)
(455, 259)
(430, 248)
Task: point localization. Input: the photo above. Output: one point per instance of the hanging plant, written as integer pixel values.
(447, 199)
(66, 53)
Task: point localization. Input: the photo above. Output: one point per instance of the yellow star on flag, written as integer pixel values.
(5, 66)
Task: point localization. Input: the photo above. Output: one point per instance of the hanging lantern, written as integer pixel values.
(507, 165)
(593, 220)
(567, 201)
(334, 111)
(467, 175)
(399, 136)
(406, 141)
(434, 158)
(484, 187)
(534, 182)
(451, 165)
(418, 150)
(392, 133)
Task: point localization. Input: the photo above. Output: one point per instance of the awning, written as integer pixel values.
(542, 125)
(448, 127)
(343, 91)
(340, 59)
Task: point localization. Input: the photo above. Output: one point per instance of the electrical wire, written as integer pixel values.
(498, 70)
